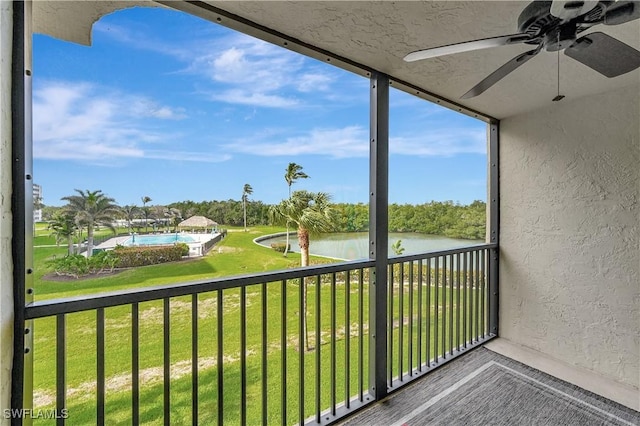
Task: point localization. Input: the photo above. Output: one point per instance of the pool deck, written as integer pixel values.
(113, 242)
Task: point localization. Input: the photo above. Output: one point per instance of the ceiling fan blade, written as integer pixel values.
(567, 10)
(604, 54)
(466, 46)
(500, 73)
(621, 12)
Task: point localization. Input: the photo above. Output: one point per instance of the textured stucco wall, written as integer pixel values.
(569, 271)
(6, 268)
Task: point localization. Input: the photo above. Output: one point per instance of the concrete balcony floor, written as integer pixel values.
(486, 388)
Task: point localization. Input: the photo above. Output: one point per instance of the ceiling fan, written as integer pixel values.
(554, 26)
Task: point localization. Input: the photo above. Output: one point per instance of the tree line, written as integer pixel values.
(309, 212)
(446, 218)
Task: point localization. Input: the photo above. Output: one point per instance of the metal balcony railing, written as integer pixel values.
(438, 308)
(282, 347)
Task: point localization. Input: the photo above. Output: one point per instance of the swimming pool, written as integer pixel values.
(157, 240)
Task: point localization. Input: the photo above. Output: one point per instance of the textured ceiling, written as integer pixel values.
(379, 34)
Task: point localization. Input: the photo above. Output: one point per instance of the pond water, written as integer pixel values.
(354, 245)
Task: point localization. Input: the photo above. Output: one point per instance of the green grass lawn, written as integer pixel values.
(237, 254)
(43, 236)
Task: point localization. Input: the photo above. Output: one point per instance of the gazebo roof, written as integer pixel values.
(197, 222)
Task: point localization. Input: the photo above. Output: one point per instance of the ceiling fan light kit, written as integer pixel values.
(554, 26)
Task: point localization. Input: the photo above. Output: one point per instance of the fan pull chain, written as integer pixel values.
(558, 97)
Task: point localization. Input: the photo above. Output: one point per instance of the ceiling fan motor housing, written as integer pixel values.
(536, 19)
(555, 34)
(560, 38)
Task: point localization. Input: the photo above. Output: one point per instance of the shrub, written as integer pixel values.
(184, 247)
(77, 265)
(141, 256)
(102, 261)
(279, 247)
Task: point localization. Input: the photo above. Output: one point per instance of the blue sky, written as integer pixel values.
(172, 107)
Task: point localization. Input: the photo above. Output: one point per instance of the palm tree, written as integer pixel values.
(157, 214)
(145, 209)
(38, 204)
(130, 213)
(63, 227)
(291, 175)
(174, 215)
(246, 191)
(313, 213)
(397, 248)
(92, 208)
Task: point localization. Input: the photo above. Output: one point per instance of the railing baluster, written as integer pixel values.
(428, 305)
(194, 359)
(265, 343)
(243, 355)
(167, 362)
(100, 348)
(400, 321)
(451, 312)
(219, 358)
(390, 327)
(477, 296)
(419, 342)
(470, 301)
(135, 363)
(436, 304)
(445, 285)
(487, 292)
(333, 344)
(283, 350)
(471, 294)
(487, 272)
(302, 343)
(458, 307)
(347, 342)
(465, 299)
(318, 345)
(361, 335)
(482, 293)
(410, 338)
(61, 368)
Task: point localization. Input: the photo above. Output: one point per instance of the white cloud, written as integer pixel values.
(352, 141)
(201, 157)
(257, 73)
(138, 38)
(68, 123)
(83, 151)
(143, 107)
(257, 66)
(261, 69)
(243, 97)
(84, 122)
(440, 143)
(338, 143)
(253, 72)
(313, 82)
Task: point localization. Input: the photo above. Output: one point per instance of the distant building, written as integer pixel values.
(37, 202)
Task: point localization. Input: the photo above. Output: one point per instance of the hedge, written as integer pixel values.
(141, 256)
